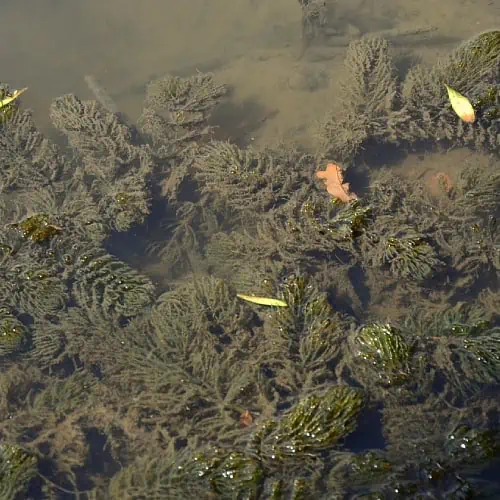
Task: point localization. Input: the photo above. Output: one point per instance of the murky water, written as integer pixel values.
(281, 86)
(50, 46)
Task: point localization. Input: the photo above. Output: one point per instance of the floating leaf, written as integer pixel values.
(9, 98)
(334, 181)
(246, 419)
(461, 105)
(263, 301)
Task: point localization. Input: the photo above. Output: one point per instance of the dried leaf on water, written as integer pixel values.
(334, 182)
(263, 301)
(9, 98)
(246, 419)
(461, 105)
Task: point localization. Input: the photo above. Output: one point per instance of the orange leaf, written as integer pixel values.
(334, 182)
(246, 419)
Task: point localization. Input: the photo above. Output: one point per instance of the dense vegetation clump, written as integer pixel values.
(376, 374)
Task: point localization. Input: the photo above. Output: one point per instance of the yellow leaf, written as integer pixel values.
(15, 94)
(263, 301)
(461, 105)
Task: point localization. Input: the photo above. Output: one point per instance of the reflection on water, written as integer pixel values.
(193, 134)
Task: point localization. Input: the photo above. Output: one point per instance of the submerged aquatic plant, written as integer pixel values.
(369, 101)
(176, 112)
(37, 228)
(103, 281)
(309, 227)
(13, 334)
(198, 394)
(385, 350)
(227, 475)
(247, 179)
(17, 469)
(471, 446)
(464, 347)
(303, 339)
(377, 107)
(471, 69)
(316, 423)
(409, 255)
(32, 289)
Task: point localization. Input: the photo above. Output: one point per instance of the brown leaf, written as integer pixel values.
(246, 419)
(334, 182)
(440, 183)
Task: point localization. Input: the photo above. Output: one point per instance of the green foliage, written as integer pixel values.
(95, 133)
(459, 321)
(241, 259)
(315, 424)
(340, 222)
(188, 98)
(216, 473)
(303, 339)
(318, 422)
(126, 202)
(476, 193)
(194, 356)
(466, 346)
(73, 337)
(228, 475)
(422, 458)
(176, 113)
(410, 256)
(368, 98)
(30, 161)
(418, 480)
(247, 179)
(377, 107)
(475, 62)
(386, 351)
(488, 103)
(17, 468)
(37, 228)
(13, 334)
(197, 394)
(110, 162)
(232, 174)
(99, 279)
(38, 291)
(484, 351)
(472, 69)
(370, 465)
(310, 227)
(473, 446)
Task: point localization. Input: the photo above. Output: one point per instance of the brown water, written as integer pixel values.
(279, 91)
(252, 45)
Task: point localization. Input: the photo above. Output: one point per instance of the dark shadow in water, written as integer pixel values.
(239, 121)
(360, 440)
(358, 178)
(375, 156)
(404, 62)
(133, 242)
(100, 460)
(356, 275)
